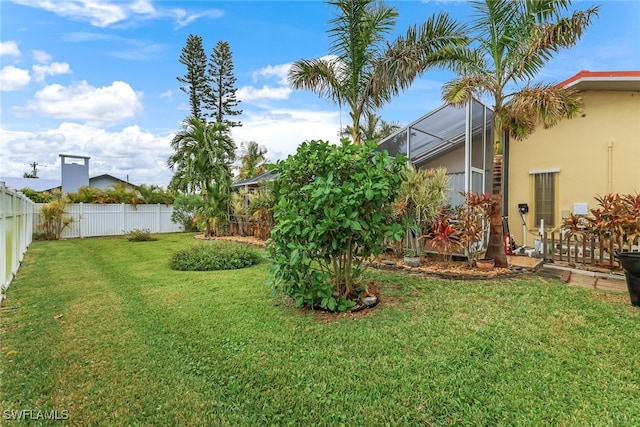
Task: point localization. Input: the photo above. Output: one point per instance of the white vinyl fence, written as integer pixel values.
(16, 230)
(91, 220)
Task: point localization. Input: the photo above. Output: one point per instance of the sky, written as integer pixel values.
(98, 78)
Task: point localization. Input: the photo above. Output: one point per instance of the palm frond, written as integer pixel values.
(321, 76)
(548, 38)
(541, 103)
(462, 89)
(439, 41)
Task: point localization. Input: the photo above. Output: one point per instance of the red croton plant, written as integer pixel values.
(464, 232)
(616, 217)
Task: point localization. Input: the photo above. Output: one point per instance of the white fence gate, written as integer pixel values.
(16, 230)
(91, 220)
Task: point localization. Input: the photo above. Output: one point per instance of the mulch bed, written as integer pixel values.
(452, 270)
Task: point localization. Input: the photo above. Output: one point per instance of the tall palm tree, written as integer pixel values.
(363, 70)
(203, 153)
(512, 40)
(252, 160)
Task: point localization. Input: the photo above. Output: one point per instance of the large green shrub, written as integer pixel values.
(332, 214)
(214, 255)
(185, 211)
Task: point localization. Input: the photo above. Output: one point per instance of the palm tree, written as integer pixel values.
(512, 40)
(375, 129)
(252, 160)
(202, 160)
(363, 70)
(240, 208)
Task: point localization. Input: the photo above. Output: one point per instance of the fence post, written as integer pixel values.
(80, 220)
(159, 218)
(123, 219)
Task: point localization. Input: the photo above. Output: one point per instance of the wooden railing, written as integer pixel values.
(581, 249)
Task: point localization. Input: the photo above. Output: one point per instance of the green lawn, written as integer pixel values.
(140, 344)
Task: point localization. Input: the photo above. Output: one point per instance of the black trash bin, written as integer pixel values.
(630, 262)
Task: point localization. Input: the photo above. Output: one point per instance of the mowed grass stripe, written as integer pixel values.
(140, 344)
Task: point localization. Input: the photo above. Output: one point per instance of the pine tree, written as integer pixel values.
(196, 82)
(221, 98)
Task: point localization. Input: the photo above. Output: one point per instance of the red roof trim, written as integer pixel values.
(599, 75)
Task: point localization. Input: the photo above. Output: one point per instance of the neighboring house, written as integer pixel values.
(558, 171)
(106, 181)
(254, 182)
(74, 174)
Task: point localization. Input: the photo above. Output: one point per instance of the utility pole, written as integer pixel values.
(34, 171)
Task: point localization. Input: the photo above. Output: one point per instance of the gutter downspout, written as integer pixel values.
(609, 167)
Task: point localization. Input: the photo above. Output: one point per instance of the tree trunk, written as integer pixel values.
(495, 249)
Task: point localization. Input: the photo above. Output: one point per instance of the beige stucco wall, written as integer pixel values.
(596, 153)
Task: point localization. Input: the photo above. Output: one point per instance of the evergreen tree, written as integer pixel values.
(195, 81)
(221, 96)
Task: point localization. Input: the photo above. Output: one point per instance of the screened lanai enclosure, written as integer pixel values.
(456, 138)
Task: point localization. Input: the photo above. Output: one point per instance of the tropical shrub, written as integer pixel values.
(154, 194)
(139, 235)
(53, 218)
(444, 235)
(122, 193)
(38, 197)
(422, 193)
(616, 217)
(185, 210)
(332, 214)
(240, 209)
(214, 255)
(261, 204)
(473, 223)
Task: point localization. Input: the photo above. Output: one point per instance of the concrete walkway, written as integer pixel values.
(604, 281)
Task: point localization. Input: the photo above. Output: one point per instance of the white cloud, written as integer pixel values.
(167, 94)
(129, 152)
(141, 155)
(279, 71)
(13, 78)
(142, 7)
(105, 13)
(250, 93)
(83, 36)
(41, 56)
(53, 69)
(282, 131)
(100, 14)
(81, 101)
(9, 48)
(183, 18)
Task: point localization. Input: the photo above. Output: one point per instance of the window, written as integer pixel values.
(544, 196)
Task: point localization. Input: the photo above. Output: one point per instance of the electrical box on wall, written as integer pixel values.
(580, 209)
